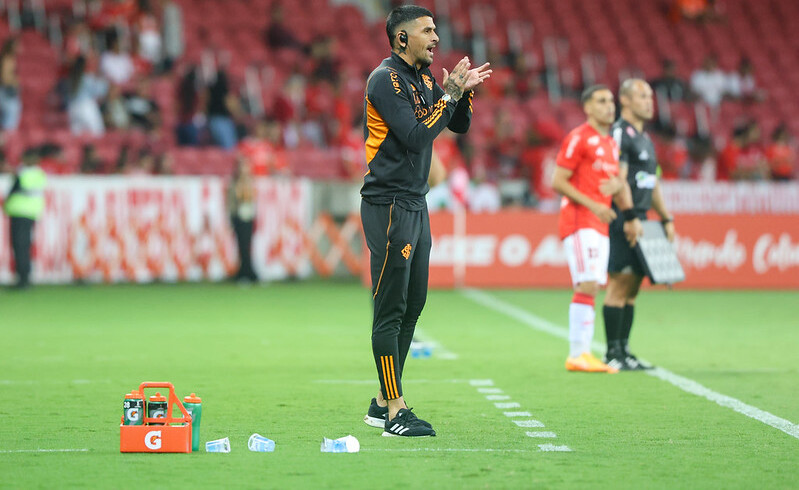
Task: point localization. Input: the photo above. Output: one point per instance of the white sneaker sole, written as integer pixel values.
(389, 434)
(374, 422)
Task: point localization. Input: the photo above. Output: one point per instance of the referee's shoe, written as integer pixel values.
(406, 424)
(623, 360)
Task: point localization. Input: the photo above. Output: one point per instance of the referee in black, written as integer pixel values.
(405, 111)
(638, 164)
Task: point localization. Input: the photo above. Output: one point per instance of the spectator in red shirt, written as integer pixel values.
(781, 155)
(537, 165)
(672, 155)
(728, 158)
(263, 150)
(751, 163)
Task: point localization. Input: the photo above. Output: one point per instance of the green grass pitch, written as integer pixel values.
(292, 361)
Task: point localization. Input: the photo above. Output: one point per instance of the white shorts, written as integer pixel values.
(587, 253)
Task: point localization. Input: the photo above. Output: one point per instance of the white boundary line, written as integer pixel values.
(9, 451)
(685, 384)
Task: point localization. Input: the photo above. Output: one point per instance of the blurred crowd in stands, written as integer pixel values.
(134, 102)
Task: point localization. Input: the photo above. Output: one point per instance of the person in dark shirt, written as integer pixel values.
(638, 164)
(670, 84)
(405, 109)
(220, 119)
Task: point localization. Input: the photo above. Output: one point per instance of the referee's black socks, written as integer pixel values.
(626, 326)
(614, 317)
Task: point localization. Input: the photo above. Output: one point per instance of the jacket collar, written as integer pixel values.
(404, 64)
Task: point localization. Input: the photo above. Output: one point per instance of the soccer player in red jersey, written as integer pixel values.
(587, 175)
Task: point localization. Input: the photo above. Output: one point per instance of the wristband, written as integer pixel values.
(629, 214)
(666, 221)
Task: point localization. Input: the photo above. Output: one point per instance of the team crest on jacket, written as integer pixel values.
(427, 81)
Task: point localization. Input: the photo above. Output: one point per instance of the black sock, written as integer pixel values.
(626, 326)
(613, 323)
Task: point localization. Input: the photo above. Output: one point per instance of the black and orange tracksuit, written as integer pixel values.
(404, 114)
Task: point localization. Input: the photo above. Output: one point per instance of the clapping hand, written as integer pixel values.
(463, 79)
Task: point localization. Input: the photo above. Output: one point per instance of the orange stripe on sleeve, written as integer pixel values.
(437, 109)
(378, 130)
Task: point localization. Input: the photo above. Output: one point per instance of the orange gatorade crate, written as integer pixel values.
(173, 436)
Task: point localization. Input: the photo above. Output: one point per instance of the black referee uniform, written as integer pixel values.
(637, 152)
(405, 111)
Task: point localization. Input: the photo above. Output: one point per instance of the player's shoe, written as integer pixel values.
(587, 363)
(633, 364)
(406, 424)
(376, 415)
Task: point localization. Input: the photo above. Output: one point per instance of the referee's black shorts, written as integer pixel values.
(623, 258)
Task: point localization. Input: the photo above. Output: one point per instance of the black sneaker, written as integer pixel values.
(376, 415)
(633, 364)
(408, 425)
(616, 363)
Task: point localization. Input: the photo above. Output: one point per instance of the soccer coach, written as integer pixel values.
(405, 110)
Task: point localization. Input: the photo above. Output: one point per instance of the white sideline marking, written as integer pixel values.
(481, 382)
(691, 386)
(552, 447)
(529, 423)
(507, 405)
(489, 390)
(685, 384)
(497, 397)
(541, 434)
(43, 451)
(518, 414)
(444, 449)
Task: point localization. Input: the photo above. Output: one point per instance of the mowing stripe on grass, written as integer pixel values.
(9, 451)
(374, 381)
(447, 450)
(685, 384)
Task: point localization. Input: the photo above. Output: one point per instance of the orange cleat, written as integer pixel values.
(587, 363)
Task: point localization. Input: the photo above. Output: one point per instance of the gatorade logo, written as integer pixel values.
(132, 414)
(153, 440)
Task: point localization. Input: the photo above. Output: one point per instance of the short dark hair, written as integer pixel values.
(401, 15)
(589, 92)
